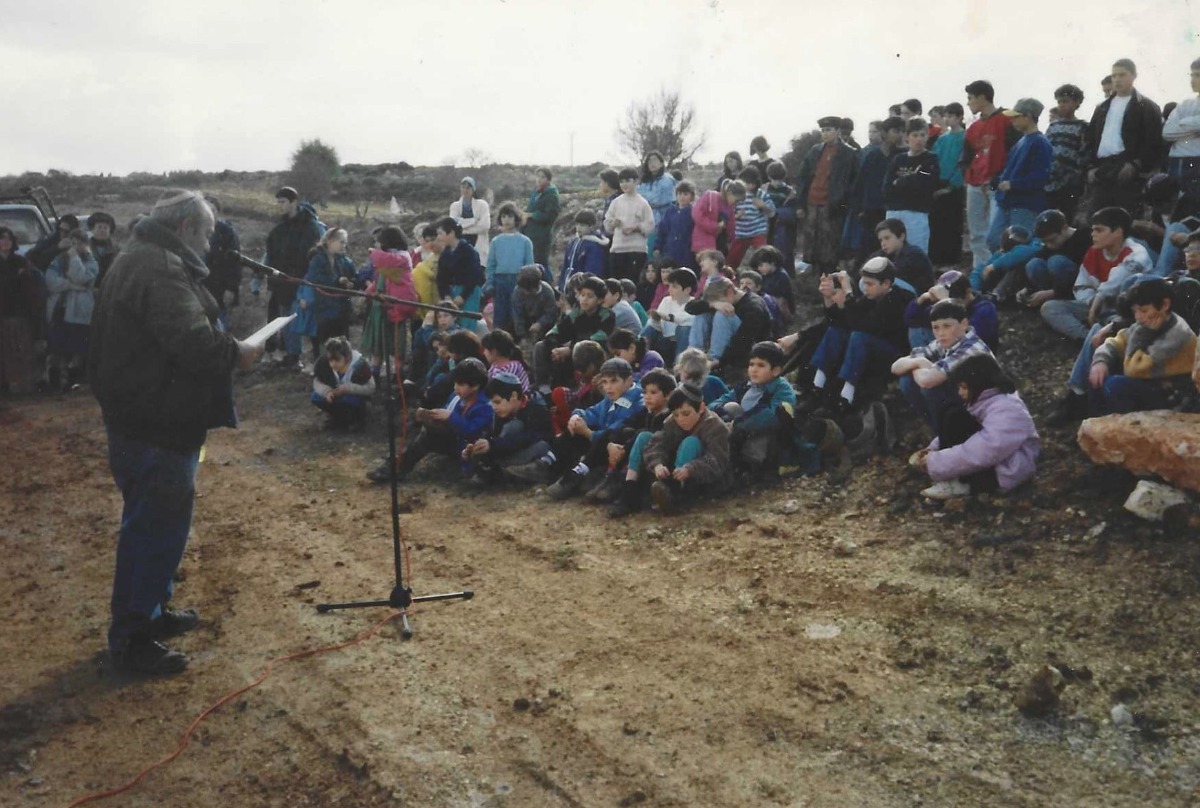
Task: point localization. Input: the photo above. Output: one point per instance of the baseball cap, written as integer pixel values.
(1026, 106)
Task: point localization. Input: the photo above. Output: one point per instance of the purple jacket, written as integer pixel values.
(1008, 442)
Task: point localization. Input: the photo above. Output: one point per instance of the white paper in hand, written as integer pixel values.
(259, 338)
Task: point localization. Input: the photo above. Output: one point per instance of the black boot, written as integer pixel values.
(629, 500)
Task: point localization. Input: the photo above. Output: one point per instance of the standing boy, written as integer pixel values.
(1020, 193)
(868, 190)
(630, 219)
(586, 252)
(949, 200)
(908, 186)
(675, 230)
(824, 183)
(1068, 136)
(984, 151)
(1126, 131)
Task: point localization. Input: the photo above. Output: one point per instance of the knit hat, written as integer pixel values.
(468, 181)
(616, 367)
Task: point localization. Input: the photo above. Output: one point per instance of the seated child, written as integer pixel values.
(712, 264)
(657, 386)
(624, 344)
(768, 262)
(1004, 272)
(629, 292)
(686, 460)
(1145, 366)
(520, 433)
(448, 430)
(729, 321)
(423, 354)
(751, 281)
(952, 283)
(584, 446)
(534, 303)
(1051, 272)
(460, 345)
(623, 313)
(913, 268)
(586, 357)
(1108, 267)
(503, 355)
(342, 384)
(987, 444)
(757, 410)
(585, 320)
(691, 367)
(924, 372)
(652, 287)
(586, 252)
(424, 272)
(864, 332)
(670, 324)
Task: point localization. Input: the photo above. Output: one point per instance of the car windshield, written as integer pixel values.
(25, 224)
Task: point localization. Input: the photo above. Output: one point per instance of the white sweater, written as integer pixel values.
(632, 211)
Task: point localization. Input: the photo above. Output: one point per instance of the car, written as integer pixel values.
(30, 213)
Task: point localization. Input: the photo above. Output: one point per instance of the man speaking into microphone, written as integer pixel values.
(161, 367)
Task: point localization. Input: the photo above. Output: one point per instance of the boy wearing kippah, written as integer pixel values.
(520, 432)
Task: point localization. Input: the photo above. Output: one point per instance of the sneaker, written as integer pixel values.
(567, 486)
(663, 496)
(535, 472)
(914, 460)
(149, 657)
(606, 490)
(381, 473)
(173, 622)
(948, 489)
(627, 501)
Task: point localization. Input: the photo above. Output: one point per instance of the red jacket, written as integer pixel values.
(985, 148)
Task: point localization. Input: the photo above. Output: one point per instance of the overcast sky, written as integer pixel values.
(136, 86)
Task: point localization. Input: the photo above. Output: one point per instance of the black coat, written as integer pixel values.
(1141, 131)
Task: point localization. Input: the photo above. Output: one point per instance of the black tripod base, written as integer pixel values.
(401, 598)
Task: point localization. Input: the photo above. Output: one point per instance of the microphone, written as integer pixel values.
(246, 261)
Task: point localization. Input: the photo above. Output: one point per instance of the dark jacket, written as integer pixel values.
(542, 213)
(842, 174)
(1141, 131)
(326, 307)
(883, 318)
(711, 467)
(289, 243)
(224, 270)
(573, 325)
(912, 265)
(159, 365)
(675, 235)
(910, 181)
(534, 419)
(19, 289)
(459, 267)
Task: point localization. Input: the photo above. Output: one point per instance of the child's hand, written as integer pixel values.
(723, 306)
(681, 473)
(480, 446)
(330, 397)
(662, 472)
(989, 269)
(303, 304)
(787, 342)
(421, 415)
(629, 231)
(439, 415)
(737, 214)
(615, 452)
(654, 315)
(561, 354)
(1101, 335)
(1098, 375)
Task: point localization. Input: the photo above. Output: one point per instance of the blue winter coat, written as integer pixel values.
(324, 307)
(675, 235)
(660, 193)
(582, 255)
(606, 415)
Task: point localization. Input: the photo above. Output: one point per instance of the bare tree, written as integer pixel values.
(664, 123)
(475, 157)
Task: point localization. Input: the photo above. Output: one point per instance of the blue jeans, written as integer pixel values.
(503, 287)
(1045, 274)
(656, 340)
(713, 331)
(1171, 257)
(917, 224)
(343, 408)
(1123, 394)
(1002, 217)
(927, 402)
(1067, 317)
(979, 211)
(1082, 369)
(159, 487)
(849, 352)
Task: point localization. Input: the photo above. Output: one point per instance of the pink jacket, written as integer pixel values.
(704, 215)
(394, 271)
(1008, 442)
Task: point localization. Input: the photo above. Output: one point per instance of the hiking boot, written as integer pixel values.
(383, 472)
(662, 494)
(947, 489)
(149, 657)
(865, 441)
(567, 486)
(535, 472)
(1069, 409)
(173, 622)
(831, 445)
(606, 490)
(628, 500)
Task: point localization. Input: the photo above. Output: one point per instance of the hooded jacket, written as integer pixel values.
(1007, 442)
(706, 220)
(160, 365)
(712, 467)
(71, 280)
(289, 243)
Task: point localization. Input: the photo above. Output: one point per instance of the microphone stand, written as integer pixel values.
(401, 596)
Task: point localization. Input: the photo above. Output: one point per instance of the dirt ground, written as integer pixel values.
(794, 646)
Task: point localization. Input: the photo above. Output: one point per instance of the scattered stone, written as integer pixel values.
(1162, 442)
(308, 585)
(844, 548)
(1121, 716)
(1095, 531)
(636, 798)
(821, 631)
(1040, 696)
(521, 704)
(653, 533)
(1150, 500)
(789, 507)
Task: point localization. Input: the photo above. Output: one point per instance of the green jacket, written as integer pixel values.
(542, 214)
(160, 365)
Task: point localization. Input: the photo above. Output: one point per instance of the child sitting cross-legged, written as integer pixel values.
(587, 320)
(953, 283)
(535, 305)
(448, 430)
(1147, 365)
(503, 355)
(586, 356)
(342, 384)
(924, 372)
(688, 459)
(520, 432)
(626, 345)
(657, 385)
(987, 443)
(757, 410)
(670, 324)
(584, 445)
(691, 367)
